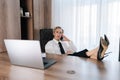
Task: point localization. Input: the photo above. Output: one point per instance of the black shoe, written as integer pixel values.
(106, 39)
(102, 48)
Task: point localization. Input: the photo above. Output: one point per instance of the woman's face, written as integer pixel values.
(58, 34)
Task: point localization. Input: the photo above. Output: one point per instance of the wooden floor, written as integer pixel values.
(66, 68)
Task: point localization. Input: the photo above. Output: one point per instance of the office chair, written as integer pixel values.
(45, 36)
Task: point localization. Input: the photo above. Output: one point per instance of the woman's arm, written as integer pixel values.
(65, 38)
(71, 47)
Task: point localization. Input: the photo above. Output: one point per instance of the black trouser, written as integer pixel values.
(80, 53)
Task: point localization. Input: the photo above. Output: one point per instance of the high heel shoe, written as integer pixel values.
(108, 53)
(106, 39)
(102, 49)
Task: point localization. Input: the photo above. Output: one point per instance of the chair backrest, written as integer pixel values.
(45, 36)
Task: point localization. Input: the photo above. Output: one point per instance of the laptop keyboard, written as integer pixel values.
(48, 62)
(45, 63)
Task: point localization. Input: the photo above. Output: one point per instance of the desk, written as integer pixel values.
(66, 68)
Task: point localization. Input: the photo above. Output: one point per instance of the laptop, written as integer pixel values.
(27, 53)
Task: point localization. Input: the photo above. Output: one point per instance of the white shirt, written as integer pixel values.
(52, 47)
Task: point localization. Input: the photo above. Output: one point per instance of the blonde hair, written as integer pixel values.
(58, 27)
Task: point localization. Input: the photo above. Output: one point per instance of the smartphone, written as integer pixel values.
(61, 38)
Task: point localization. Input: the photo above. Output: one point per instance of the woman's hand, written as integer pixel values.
(65, 38)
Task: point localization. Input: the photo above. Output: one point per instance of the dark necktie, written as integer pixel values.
(61, 48)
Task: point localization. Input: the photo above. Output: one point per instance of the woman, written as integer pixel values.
(65, 46)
